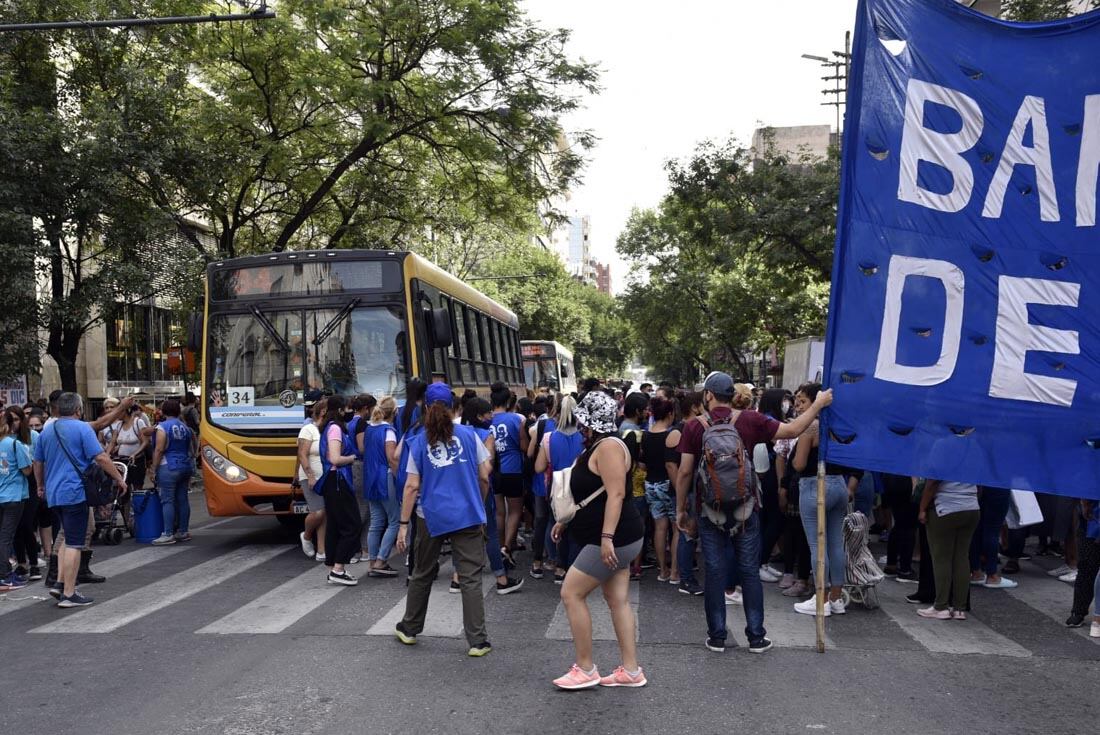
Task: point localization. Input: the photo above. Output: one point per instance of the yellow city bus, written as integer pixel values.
(343, 321)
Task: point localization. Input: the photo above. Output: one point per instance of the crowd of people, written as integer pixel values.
(48, 456)
(595, 487)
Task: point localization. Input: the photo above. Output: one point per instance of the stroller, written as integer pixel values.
(113, 519)
(862, 572)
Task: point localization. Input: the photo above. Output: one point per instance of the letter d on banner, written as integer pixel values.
(887, 367)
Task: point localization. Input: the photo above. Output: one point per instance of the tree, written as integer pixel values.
(610, 344)
(75, 109)
(358, 122)
(735, 259)
(1036, 10)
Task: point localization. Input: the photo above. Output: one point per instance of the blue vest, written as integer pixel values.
(403, 461)
(538, 482)
(506, 429)
(564, 449)
(177, 452)
(346, 450)
(450, 495)
(376, 470)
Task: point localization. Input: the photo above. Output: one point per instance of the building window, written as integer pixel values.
(138, 338)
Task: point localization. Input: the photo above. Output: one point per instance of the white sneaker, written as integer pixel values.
(307, 546)
(882, 560)
(320, 558)
(809, 607)
(836, 607)
(1058, 572)
(1094, 630)
(1069, 577)
(734, 598)
(767, 576)
(774, 571)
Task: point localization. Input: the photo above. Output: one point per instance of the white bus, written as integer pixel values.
(548, 365)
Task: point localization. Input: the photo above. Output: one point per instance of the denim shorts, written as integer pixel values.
(662, 504)
(74, 521)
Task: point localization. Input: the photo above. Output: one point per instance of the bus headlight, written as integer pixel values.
(223, 467)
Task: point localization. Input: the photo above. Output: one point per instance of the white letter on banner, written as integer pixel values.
(887, 368)
(1033, 110)
(1016, 337)
(1088, 163)
(918, 143)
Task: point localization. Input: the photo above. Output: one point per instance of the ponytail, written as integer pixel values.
(438, 423)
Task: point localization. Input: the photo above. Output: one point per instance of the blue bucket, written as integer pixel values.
(148, 521)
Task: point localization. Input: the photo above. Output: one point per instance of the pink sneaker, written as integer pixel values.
(576, 678)
(934, 614)
(620, 678)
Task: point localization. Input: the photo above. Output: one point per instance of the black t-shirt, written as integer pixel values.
(587, 524)
(655, 454)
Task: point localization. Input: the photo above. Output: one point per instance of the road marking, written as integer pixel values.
(115, 613)
(36, 592)
(785, 628)
(280, 608)
(602, 627)
(1050, 597)
(444, 619)
(222, 522)
(945, 636)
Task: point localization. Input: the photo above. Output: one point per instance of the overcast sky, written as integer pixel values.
(677, 73)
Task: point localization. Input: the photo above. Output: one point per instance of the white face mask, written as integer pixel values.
(786, 407)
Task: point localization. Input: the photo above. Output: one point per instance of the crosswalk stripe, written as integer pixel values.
(785, 627)
(444, 619)
(280, 608)
(945, 636)
(1050, 597)
(602, 627)
(112, 567)
(115, 613)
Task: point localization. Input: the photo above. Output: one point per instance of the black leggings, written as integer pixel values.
(342, 521)
(542, 520)
(902, 539)
(772, 522)
(1088, 564)
(26, 543)
(796, 549)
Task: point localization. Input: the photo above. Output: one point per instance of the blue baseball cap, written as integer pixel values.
(720, 384)
(438, 393)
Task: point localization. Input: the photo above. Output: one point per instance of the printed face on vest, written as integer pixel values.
(180, 432)
(441, 455)
(500, 434)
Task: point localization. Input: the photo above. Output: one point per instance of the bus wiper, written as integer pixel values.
(282, 344)
(335, 322)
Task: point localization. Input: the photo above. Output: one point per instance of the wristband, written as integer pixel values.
(608, 536)
(403, 523)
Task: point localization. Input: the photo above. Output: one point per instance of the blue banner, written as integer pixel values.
(964, 326)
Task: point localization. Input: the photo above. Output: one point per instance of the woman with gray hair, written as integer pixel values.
(609, 532)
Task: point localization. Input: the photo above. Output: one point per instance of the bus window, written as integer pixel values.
(454, 368)
(480, 339)
(498, 360)
(463, 344)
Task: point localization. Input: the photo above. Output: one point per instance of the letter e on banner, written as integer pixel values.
(1016, 337)
(887, 367)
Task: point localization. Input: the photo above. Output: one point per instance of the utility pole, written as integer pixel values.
(837, 65)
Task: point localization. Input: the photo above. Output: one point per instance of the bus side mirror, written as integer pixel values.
(439, 327)
(194, 331)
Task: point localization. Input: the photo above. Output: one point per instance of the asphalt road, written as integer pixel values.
(237, 632)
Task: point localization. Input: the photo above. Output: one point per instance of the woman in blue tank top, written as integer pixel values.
(511, 446)
(559, 449)
(174, 461)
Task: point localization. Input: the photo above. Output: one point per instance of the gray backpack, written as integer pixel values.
(725, 481)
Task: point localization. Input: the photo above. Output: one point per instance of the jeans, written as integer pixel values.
(542, 522)
(836, 507)
(685, 559)
(720, 552)
(10, 513)
(994, 504)
(864, 500)
(384, 517)
(492, 539)
(174, 507)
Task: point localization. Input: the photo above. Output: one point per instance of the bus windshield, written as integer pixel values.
(541, 372)
(261, 363)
